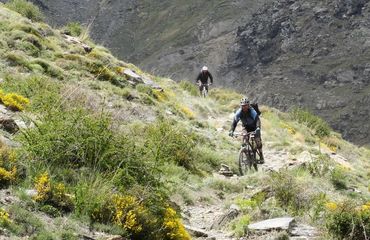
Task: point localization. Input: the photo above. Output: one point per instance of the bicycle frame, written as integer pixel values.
(204, 91)
(247, 152)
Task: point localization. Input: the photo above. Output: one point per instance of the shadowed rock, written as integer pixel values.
(9, 125)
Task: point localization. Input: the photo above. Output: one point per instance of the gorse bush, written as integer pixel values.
(8, 167)
(53, 194)
(320, 127)
(346, 221)
(14, 101)
(26, 9)
(174, 229)
(139, 219)
(42, 91)
(4, 218)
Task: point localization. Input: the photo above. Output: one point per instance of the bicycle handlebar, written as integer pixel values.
(203, 84)
(237, 134)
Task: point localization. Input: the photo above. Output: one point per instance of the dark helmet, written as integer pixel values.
(244, 102)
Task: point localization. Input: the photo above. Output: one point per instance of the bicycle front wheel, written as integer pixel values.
(245, 161)
(204, 93)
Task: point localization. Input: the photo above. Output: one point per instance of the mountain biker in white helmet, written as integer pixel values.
(202, 79)
(251, 122)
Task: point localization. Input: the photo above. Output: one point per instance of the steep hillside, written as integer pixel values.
(308, 53)
(94, 148)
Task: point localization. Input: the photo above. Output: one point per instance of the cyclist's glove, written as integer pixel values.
(231, 133)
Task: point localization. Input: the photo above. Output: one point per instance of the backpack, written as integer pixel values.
(255, 107)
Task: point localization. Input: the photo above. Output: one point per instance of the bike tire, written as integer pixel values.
(254, 161)
(245, 163)
(204, 93)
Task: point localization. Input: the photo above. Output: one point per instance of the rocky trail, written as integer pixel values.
(209, 220)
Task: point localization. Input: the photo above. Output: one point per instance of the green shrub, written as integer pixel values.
(73, 29)
(70, 138)
(24, 222)
(189, 87)
(26, 9)
(289, 193)
(207, 159)
(104, 72)
(75, 139)
(19, 58)
(53, 194)
(50, 210)
(239, 226)
(338, 178)
(347, 221)
(319, 167)
(168, 143)
(143, 88)
(43, 92)
(49, 68)
(320, 127)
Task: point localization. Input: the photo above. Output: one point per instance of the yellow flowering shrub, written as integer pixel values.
(8, 169)
(4, 217)
(43, 188)
(349, 221)
(331, 206)
(52, 194)
(187, 112)
(160, 95)
(175, 230)
(119, 70)
(14, 101)
(127, 212)
(291, 130)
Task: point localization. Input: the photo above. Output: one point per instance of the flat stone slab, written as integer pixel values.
(284, 223)
(302, 230)
(196, 232)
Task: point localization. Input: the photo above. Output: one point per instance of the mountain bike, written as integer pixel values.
(249, 155)
(203, 86)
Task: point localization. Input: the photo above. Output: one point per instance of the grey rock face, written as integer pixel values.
(309, 54)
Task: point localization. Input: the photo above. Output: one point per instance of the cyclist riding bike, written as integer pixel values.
(251, 122)
(202, 79)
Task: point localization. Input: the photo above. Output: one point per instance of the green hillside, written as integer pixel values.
(94, 148)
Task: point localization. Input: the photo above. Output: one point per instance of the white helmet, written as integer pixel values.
(204, 68)
(244, 101)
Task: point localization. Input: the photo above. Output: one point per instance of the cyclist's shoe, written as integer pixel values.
(262, 159)
(231, 133)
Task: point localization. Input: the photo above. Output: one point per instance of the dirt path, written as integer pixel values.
(202, 216)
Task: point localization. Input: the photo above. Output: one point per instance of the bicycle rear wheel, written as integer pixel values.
(245, 160)
(254, 160)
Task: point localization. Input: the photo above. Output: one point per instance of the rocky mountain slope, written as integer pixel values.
(282, 53)
(92, 147)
